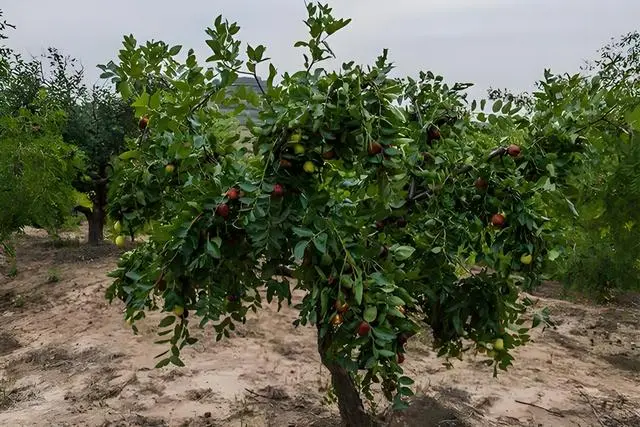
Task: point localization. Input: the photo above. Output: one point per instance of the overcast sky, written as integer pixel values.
(500, 43)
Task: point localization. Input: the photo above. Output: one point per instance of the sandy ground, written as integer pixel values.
(68, 359)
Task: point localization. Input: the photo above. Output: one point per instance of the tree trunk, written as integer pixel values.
(97, 216)
(350, 404)
(95, 219)
(96, 226)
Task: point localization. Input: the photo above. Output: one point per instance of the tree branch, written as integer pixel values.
(83, 210)
(500, 151)
(285, 271)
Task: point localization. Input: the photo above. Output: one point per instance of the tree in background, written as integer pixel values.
(36, 166)
(95, 122)
(98, 126)
(596, 219)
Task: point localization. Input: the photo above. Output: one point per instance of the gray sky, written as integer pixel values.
(500, 43)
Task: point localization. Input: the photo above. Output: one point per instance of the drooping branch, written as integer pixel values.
(83, 210)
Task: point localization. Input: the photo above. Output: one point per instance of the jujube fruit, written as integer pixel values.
(498, 220)
(375, 148)
(223, 210)
(513, 150)
(278, 190)
(364, 328)
(233, 194)
(481, 184)
(143, 123)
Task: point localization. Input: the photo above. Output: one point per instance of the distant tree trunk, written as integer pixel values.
(350, 404)
(97, 216)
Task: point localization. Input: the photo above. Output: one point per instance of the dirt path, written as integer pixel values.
(68, 359)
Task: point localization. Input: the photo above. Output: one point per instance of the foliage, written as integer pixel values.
(377, 194)
(595, 222)
(96, 122)
(36, 167)
(603, 108)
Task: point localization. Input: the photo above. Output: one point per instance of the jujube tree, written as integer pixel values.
(393, 204)
(36, 166)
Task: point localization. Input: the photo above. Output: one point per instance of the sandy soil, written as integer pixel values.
(68, 359)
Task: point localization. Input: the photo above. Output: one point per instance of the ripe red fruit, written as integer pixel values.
(400, 357)
(233, 194)
(278, 190)
(328, 155)
(481, 184)
(142, 124)
(498, 220)
(331, 280)
(223, 210)
(379, 225)
(285, 164)
(513, 150)
(363, 329)
(433, 134)
(401, 222)
(375, 148)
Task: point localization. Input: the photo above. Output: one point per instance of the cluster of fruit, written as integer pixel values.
(499, 219)
(364, 327)
(120, 239)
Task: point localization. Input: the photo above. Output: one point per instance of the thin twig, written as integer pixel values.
(551, 411)
(592, 407)
(258, 394)
(412, 188)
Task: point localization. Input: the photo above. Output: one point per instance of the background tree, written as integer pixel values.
(594, 216)
(36, 166)
(96, 122)
(98, 126)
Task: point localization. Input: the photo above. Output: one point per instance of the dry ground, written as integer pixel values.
(68, 359)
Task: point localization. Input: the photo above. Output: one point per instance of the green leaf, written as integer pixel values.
(553, 254)
(551, 169)
(176, 360)
(131, 154)
(358, 288)
(175, 50)
(403, 252)
(383, 335)
(399, 404)
(133, 276)
(249, 188)
(320, 242)
(324, 300)
(154, 101)
(167, 321)
(572, 208)
(370, 314)
(386, 353)
(405, 391)
(142, 101)
(497, 105)
(213, 249)
(298, 251)
(163, 363)
(633, 117)
(395, 301)
(302, 232)
(405, 381)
